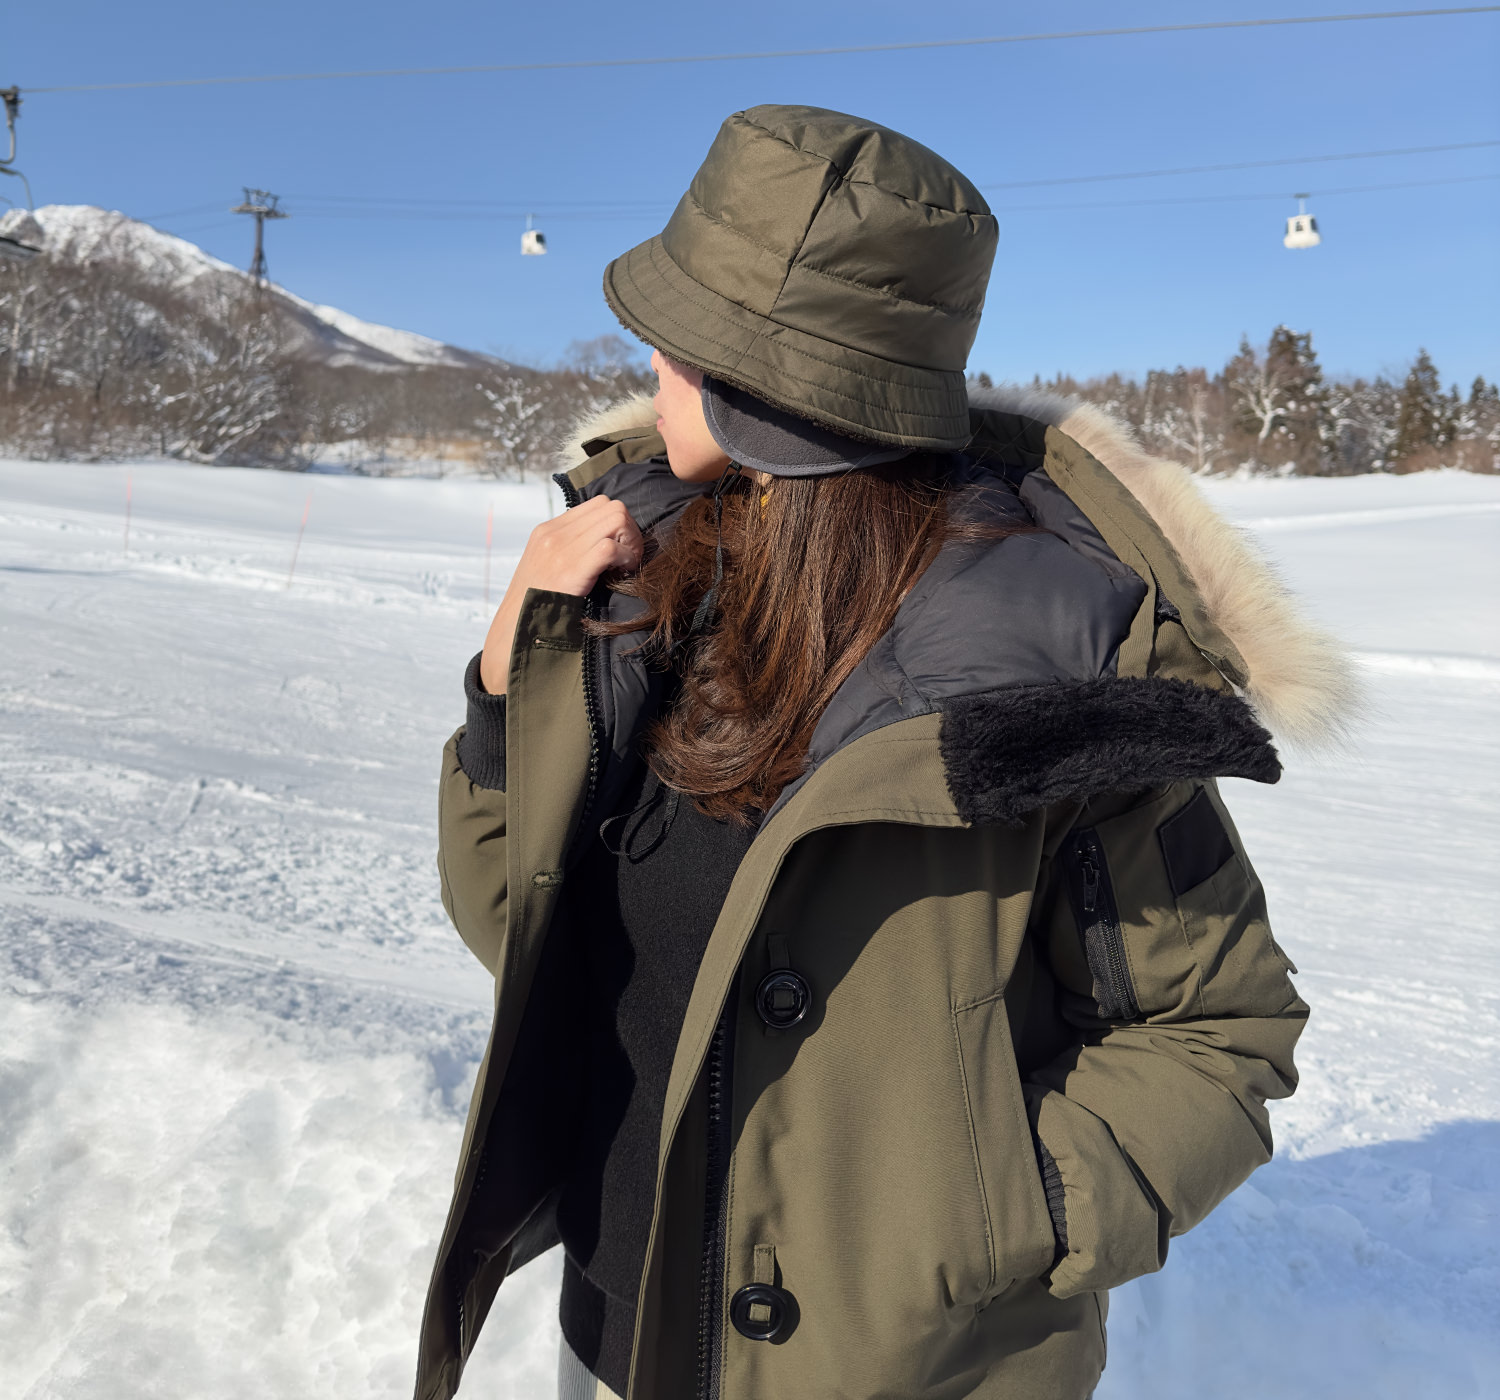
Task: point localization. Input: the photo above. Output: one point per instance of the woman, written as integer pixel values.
(880, 978)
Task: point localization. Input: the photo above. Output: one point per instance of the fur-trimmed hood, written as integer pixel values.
(1299, 680)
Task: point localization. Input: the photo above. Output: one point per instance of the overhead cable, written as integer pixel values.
(1236, 165)
(828, 52)
(348, 206)
(1242, 198)
(613, 208)
(552, 215)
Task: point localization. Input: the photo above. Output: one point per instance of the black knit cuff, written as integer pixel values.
(481, 747)
(1052, 1184)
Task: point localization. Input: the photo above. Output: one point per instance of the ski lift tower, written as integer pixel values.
(11, 97)
(263, 205)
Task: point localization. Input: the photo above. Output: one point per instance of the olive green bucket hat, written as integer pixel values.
(827, 265)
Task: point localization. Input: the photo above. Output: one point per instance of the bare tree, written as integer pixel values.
(515, 406)
(1183, 417)
(1279, 400)
(228, 391)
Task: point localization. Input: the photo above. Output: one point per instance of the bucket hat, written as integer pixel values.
(829, 266)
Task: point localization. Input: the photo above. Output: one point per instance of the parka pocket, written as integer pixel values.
(1018, 1225)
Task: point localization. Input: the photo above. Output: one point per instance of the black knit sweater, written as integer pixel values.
(643, 896)
(649, 886)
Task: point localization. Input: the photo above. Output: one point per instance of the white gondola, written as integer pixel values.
(533, 241)
(1302, 228)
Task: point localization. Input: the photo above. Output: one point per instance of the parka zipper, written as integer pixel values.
(591, 647)
(715, 1199)
(718, 1067)
(481, 1170)
(1099, 919)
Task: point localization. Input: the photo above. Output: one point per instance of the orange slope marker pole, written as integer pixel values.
(307, 506)
(127, 511)
(489, 535)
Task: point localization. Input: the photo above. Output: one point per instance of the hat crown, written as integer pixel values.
(842, 229)
(826, 264)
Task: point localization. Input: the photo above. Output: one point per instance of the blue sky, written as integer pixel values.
(603, 155)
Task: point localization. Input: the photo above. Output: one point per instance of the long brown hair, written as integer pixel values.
(814, 569)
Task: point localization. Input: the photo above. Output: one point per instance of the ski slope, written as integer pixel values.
(239, 1035)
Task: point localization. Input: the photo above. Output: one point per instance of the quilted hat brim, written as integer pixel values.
(862, 395)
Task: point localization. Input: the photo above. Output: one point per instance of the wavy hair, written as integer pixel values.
(814, 569)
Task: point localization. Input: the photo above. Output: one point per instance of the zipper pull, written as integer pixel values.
(1090, 884)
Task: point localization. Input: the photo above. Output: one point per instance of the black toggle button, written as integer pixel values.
(759, 1311)
(782, 998)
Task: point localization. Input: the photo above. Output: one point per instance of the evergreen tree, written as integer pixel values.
(1281, 401)
(1482, 412)
(1422, 419)
(1361, 425)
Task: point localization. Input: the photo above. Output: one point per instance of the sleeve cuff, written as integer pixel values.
(481, 747)
(1052, 1184)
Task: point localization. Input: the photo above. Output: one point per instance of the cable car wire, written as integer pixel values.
(385, 213)
(565, 208)
(1239, 198)
(1236, 165)
(612, 211)
(677, 59)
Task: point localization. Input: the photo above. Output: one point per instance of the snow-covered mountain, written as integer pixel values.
(82, 233)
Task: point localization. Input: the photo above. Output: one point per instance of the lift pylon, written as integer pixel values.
(11, 97)
(263, 205)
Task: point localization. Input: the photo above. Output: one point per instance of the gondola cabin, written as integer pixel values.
(1302, 229)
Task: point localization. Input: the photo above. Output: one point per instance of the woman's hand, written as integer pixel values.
(565, 555)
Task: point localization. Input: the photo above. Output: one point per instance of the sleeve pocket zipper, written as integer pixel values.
(1093, 897)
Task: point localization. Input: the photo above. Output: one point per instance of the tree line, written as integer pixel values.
(98, 361)
(1271, 410)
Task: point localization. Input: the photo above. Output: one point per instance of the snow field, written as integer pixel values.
(239, 1034)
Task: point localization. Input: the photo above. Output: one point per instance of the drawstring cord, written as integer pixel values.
(706, 603)
(643, 810)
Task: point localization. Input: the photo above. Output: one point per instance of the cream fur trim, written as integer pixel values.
(634, 411)
(1301, 681)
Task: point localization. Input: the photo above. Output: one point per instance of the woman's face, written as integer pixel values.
(692, 453)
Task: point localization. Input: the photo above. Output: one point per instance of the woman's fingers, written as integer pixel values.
(565, 555)
(568, 554)
(610, 554)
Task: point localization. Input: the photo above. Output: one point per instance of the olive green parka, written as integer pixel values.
(1046, 1011)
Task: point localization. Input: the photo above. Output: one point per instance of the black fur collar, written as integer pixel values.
(1009, 751)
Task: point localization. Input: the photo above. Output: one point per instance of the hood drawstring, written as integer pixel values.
(628, 833)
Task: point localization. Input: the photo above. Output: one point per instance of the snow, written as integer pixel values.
(406, 346)
(84, 233)
(239, 1034)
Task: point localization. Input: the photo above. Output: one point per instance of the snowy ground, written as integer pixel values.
(238, 1035)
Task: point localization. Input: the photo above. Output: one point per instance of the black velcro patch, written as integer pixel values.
(1194, 844)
